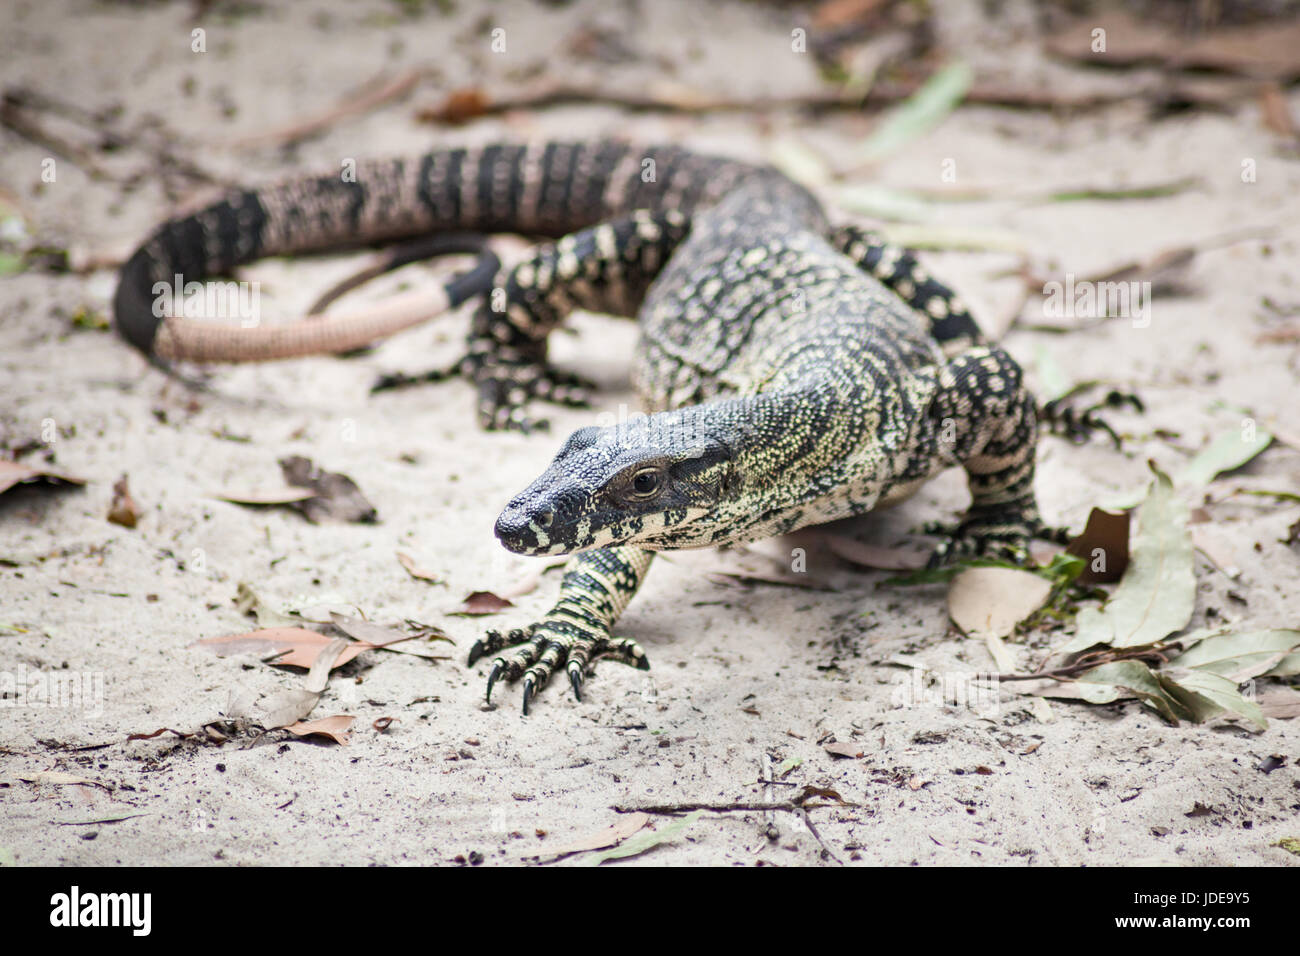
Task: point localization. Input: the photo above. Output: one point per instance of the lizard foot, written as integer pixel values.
(505, 389)
(1004, 536)
(543, 648)
(1078, 424)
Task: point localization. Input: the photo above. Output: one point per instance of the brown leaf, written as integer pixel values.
(415, 570)
(267, 497)
(381, 724)
(12, 473)
(482, 602)
(290, 646)
(337, 496)
(123, 510)
(1275, 112)
(335, 728)
(984, 601)
(1103, 546)
(843, 749)
(460, 106)
(1279, 703)
(613, 834)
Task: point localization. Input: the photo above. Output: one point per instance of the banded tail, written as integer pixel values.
(549, 190)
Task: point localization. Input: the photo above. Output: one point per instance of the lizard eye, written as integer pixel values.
(645, 484)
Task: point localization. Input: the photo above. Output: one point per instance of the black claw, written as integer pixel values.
(497, 668)
(475, 653)
(528, 692)
(575, 678)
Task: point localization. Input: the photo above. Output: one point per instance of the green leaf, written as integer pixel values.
(1157, 594)
(1051, 377)
(1228, 450)
(883, 202)
(1239, 656)
(1288, 666)
(645, 840)
(1138, 678)
(919, 113)
(1206, 695)
(10, 263)
(1290, 844)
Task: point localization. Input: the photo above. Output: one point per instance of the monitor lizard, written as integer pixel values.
(792, 372)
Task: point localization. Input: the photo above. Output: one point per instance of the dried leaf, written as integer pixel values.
(1139, 679)
(12, 473)
(1279, 703)
(1229, 450)
(1157, 594)
(335, 728)
(1206, 695)
(646, 840)
(267, 497)
(615, 833)
(123, 510)
(290, 646)
(1238, 656)
(336, 498)
(843, 749)
(482, 602)
(1103, 546)
(415, 570)
(984, 601)
(59, 779)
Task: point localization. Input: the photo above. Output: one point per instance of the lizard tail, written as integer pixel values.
(548, 189)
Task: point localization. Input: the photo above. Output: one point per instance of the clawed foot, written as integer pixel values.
(505, 390)
(1077, 425)
(1001, 537)
(541, 649)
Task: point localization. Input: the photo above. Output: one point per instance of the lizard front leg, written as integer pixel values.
(984, 418)
(597, 588)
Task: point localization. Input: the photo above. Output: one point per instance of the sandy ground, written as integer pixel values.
(741, 675)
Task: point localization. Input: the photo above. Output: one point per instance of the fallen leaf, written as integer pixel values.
(843, 749)
(984, 601)
(1157, 593)
(335, 728)
(1279, 703)
(415, 570)
(336, 498)
(1276, 112)
(123, 510)
(1290, 844)
(12, 473)
(643, 841)
(1103, 546)
(611, 835)
(289, 646)
(1229, 450)
(59, 779)
(266, 497)
(921, 112)
(482, 602)
(1136, 677)
(1205, 695)
(1237, 656)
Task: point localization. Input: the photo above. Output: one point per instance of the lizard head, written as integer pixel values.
(642, 482)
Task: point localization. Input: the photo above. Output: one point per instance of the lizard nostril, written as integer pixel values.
(545, 518)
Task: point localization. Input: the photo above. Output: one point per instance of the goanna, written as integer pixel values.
(793, 373)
